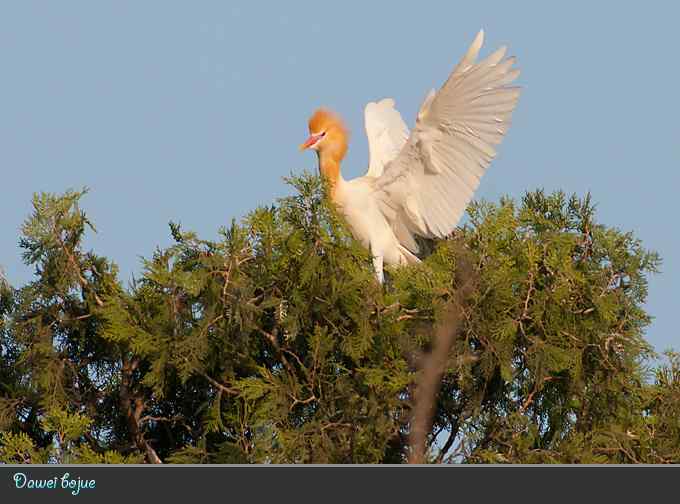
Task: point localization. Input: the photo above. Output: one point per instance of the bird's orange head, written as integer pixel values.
(327, 135)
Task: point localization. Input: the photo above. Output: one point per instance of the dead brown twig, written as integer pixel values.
(434, 365)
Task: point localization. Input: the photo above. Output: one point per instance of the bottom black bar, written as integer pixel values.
(232, 484)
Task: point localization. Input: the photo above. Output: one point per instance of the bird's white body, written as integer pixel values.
(356, 201)
(420, 182)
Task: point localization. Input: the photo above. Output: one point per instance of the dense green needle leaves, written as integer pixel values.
(275, 344)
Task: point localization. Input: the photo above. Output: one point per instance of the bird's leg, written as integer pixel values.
(378, 266)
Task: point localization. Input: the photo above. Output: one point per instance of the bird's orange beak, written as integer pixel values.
(309, 142)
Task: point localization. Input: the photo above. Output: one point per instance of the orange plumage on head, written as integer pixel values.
(337, 136)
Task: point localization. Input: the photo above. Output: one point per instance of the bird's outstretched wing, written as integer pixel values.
(426, 188)
(387, 133)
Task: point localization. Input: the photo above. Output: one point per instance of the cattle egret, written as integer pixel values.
(419, 183)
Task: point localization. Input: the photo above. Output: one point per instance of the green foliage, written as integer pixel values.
(275, 343)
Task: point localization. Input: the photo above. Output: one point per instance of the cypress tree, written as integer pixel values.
(518, 339)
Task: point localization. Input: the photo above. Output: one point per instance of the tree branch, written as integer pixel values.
(218, 385)
(133, 414)
(434, 365)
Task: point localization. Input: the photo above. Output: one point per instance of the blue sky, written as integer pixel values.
(193, 111)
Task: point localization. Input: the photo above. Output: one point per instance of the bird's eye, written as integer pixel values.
(323, 134)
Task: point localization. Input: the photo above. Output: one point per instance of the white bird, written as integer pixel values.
(419, 183)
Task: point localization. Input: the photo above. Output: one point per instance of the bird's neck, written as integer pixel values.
(329, 166)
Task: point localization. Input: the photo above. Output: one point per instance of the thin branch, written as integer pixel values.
(133, 414)
(448, 444)
(275, 343)
(81, 279)
(530, 397)
(218, 385)
(297, 401)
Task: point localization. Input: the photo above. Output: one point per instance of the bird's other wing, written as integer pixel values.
(427, 187)
(387, 133)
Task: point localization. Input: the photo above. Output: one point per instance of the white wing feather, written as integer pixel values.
(426, 188)
(387, 133)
